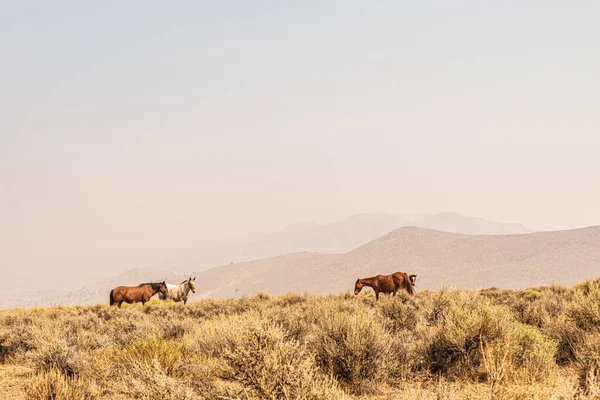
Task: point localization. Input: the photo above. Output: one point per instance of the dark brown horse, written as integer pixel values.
(388, 283)
(134, 294)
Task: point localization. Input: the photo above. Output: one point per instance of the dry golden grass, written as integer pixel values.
(541, 343)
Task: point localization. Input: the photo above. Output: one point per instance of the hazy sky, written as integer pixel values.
(134, 133)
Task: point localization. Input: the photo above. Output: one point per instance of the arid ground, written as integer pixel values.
(539, 343)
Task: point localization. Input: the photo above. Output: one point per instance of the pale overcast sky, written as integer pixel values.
(132, 133)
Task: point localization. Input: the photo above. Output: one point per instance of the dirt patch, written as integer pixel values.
(12, 381)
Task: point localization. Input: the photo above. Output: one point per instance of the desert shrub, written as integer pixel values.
(150, 382)
(210, 308)
(166, 309)
(261, 296)
(130, 326)
(452, 347)
(474, 332)
(299, 320)
(400, 312)
(90, 339)
(156, 302)
(169, 354)
(85, 331)
(177, 328)
(533, 295)
(53, 384)
(278, 368)
(355, 349)
(506, 343)
(584, 307)
(500, 296)
(537, 307)
(289, 299)
(532, 352)
(55, 355)
(568, 337)
(259, 355)
(104, 311)
(15, 340)
(148, 368)
(437, 305)
(304, 319)
(497, 363)
(588, 364)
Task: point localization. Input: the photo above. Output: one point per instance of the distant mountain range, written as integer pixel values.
(336, 237)
(342, 236)
(460, 260)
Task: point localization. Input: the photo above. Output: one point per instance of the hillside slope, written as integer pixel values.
(342, 236)
(464, 261)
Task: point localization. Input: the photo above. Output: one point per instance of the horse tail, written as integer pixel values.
(409, 288)
(112, 297)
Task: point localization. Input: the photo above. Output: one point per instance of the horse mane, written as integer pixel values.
(184, 281)
(155, 285)
(407, 285)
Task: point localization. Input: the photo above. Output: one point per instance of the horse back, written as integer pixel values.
(130, 291)
(399, 275)
(391, 283)
(386, 283)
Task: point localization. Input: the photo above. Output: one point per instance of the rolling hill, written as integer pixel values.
(460, 260)
(337, 237)
(464, 261)
(341, 236)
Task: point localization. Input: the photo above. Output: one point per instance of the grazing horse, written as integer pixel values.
(388, 283)
(180, 292)
(134, 294)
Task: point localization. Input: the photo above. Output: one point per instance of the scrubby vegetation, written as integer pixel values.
(541, 343)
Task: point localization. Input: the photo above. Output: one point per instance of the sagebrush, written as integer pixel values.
(536, 343)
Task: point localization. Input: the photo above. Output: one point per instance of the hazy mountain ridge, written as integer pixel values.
(464, 261)
(342, 236)
(461, 260)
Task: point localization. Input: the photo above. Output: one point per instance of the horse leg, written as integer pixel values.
(119, 305)
(377, 295)
(395, 293)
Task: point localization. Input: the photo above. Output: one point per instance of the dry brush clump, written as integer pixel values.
(259, 355)
(452, 338)
(355, 349)
(588, 364)
(538, 343)
(53, 384)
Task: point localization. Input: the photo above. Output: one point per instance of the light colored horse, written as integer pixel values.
(180, 292)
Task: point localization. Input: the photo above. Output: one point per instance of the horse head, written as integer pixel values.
(163, 289)
(192, 284)
(412, 279)
(358, 287)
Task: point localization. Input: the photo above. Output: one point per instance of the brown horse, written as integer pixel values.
(134, 294)
(388, 283)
